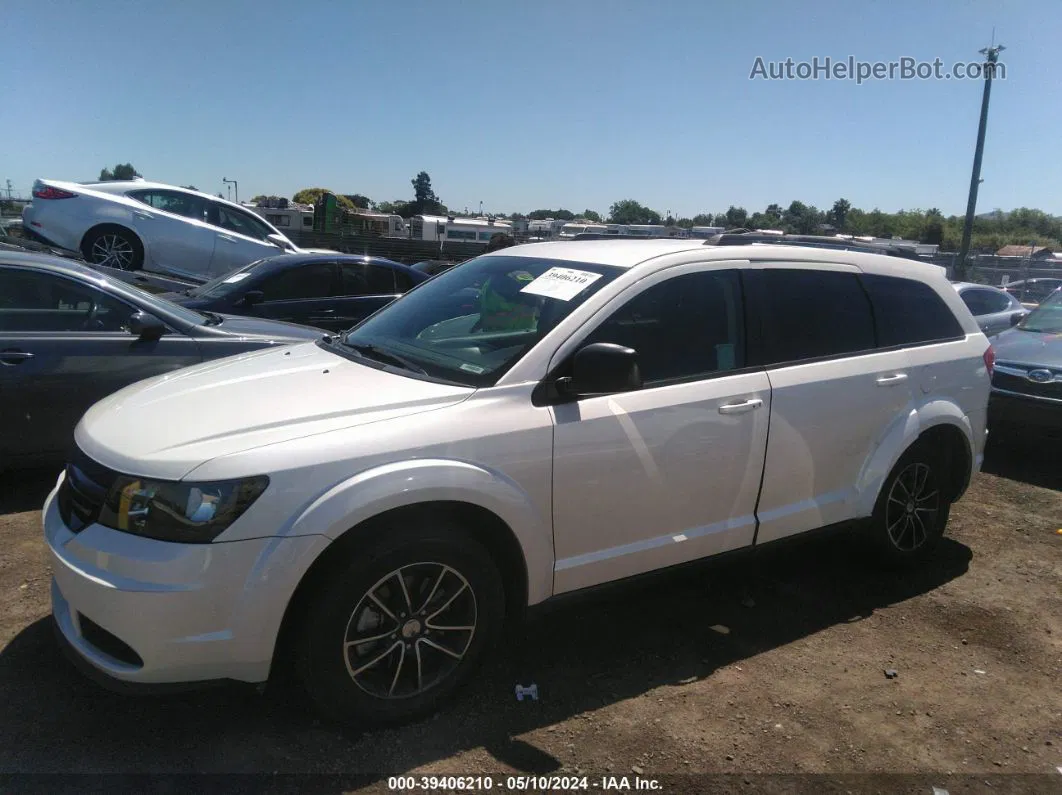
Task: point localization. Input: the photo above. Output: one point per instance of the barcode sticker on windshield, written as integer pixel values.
(472, 368)
(561, 283)
(236, 277)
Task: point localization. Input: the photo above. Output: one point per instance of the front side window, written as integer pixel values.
(169, 201)
(686, 327)
(313, 280)
(33, 301)
(471, 324)
(909, 312)
(813, 314)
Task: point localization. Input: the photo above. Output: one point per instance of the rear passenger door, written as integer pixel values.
(834, 394)
(298, 294)
(363, 288)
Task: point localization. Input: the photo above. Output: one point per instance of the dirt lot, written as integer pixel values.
(768, 672)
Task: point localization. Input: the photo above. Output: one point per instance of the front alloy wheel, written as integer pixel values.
(396, 623)
(410, 630)
(113, 251)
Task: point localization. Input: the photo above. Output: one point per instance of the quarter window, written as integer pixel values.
(686, 327)
(812, 314)
(908, 312)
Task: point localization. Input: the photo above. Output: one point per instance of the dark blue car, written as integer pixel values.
(329, 291)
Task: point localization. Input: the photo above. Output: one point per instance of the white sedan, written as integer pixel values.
(138, 224)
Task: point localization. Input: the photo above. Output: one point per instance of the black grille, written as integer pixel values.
(1022, 385)
(84, 489)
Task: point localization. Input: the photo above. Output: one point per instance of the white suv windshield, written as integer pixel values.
(472, 323)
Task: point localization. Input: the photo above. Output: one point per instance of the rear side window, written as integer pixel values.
(984, 302)
(815, 314)
(909, 312)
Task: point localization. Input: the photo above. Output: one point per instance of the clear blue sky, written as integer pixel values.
(527, 105)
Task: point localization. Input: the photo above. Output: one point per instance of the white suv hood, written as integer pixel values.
(166, 426)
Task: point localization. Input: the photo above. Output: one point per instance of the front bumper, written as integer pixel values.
(1024, 413)
(153, 612)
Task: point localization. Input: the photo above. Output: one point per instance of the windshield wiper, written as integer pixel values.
(376, 353)
(213, 318)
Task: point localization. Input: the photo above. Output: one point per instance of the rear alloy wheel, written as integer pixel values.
(113, 247)
(913, 506)
(389, 636)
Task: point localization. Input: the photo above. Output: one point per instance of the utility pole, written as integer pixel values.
(236, 185)
(989, 69)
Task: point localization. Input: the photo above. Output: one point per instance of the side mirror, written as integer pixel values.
(1016, 318)
(281, 242)
(602, 368)
(252, 297)
(146, 326)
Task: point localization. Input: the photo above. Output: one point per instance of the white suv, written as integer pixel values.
(547, 418)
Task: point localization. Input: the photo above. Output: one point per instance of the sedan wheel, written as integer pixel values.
(114, 248)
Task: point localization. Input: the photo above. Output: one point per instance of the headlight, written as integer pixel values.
(190, 513)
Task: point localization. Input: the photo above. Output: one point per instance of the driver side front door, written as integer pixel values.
(64, 345)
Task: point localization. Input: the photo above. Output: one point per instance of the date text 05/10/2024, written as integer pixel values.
(520, 783)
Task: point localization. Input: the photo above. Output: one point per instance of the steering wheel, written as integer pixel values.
(91, 323)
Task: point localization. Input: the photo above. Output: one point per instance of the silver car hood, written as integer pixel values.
(1028, 347)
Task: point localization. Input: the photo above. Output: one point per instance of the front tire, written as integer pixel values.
(113, 247)
(389, 636)
(913, 507)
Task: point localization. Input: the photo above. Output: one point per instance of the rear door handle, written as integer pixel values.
(891, 380)
(11, 357)
(740, 408)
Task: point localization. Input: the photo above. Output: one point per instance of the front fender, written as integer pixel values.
(900, 436)
(401, 484)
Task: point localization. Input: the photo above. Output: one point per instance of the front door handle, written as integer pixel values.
(11, 356)
(891, 380)
(740, 408)
(142, 215)
(228, 239)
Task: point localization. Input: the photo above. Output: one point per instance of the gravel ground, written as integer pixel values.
(768, 674)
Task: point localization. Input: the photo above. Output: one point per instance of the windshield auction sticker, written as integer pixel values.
(561, 283)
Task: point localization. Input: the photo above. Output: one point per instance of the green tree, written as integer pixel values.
(718, 220)
(591, 215)
(311, 195)
(736, 217)
(560, 215)
(628, 211)
(189, 187)
(424, 199)
(774, 213)
(802, 219)
(358, 200)
(685, 223)
(839, 213)
(120, 173)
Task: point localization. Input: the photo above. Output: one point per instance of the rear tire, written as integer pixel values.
(113, 247)
(427, 603)
(913, 507)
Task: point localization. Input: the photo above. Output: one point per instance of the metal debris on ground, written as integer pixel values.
(979, 671)
(939, 791)
(721, 629)
(891, 673)
(531, 691)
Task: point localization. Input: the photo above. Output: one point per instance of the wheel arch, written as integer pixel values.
(482, 525)
(119, 227)
(939, 423)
